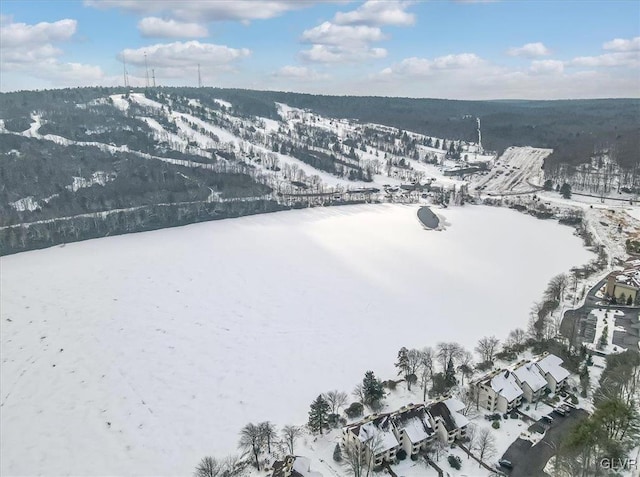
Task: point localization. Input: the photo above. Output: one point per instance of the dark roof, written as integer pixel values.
(401, 418)
(440, 409)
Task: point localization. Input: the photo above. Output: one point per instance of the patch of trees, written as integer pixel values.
(613, 430)
(45, 234)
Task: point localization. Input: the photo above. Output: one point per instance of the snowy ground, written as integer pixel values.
(517, 170)
(140, 354)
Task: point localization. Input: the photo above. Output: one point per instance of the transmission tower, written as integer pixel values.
(199, 77)
(146, 65)
(153, 76)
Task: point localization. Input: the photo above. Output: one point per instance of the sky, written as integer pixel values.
(454, 49)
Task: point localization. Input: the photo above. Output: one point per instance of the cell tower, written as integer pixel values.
(124, 71)
(146, 65)
(153, 76)
(199, 77)
(479, 136)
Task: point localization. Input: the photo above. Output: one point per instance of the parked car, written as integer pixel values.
(560, 412)
(566, 408)
(547, 419)
(505, 463)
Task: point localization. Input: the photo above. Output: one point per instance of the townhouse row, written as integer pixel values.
(379, 437)
(504, 390)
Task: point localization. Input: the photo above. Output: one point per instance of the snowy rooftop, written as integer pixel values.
(415, 423)
(551, 364)
(455, 406)
(452, 419)
(530, 374)
(505, 384)
(378, 431)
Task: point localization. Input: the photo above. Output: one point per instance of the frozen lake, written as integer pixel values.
(140, 354)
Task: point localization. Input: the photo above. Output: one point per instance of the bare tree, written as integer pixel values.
(487, 348)
(426, 370)
(251, 440)
(466, 365)
(268, 431)
(336, 400)
(447, 351)
(485, 444)
(290, 434)
(358, 393)
(209, 467)
(358, 463)
(517, 337)
(472, 436)
(556, 287)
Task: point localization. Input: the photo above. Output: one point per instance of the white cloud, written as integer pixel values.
(179, 59)
(22, 35)
(159, 28)
(338, 54)
(627, 59)
(329, 34)
(418, 67)
(620, 44)
(299, 73)
(530, 50)
(546, 67)
(378, 12)
(28, 51)
(205, 11)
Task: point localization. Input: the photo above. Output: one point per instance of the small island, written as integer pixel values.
(428, 218)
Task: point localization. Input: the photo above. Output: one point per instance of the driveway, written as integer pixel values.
(528, 460)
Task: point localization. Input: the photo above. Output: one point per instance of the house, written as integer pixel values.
(283, 468)
(412, 428)
(291, 466)
(624, 284)
(530, 380)
(375, 437)
(550, 367)
(447, 421)
(499, 391)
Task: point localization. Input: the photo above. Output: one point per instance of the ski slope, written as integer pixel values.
(140, 354)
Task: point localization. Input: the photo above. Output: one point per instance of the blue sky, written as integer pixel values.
(461, 49)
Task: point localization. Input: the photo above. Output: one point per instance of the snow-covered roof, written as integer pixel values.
(415, 423)
(379, 433)
(551, 364)
(454, 405)
(302, 465)
(530, 374)
(504, 383)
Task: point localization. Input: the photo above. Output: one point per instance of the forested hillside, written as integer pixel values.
(88, 162)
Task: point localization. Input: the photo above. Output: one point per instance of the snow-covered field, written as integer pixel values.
(140, 354)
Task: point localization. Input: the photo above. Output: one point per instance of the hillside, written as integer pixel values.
(89, 162)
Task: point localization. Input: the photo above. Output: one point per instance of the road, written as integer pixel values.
(528, 460)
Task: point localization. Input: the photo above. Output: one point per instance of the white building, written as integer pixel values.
(531, 381)
(412, 428)
(499, 391)
(555, 375)
(373, 436)
(447, 421)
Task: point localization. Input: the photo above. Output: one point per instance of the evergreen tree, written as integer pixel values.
(319, 414)
(373, 389)
(403, 362)
(450, 374)
(565, 191)
(337, 453)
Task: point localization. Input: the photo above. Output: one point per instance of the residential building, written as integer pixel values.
(412, 428)
(447, 421)
(550, 367)
(375, 437)
(499, 391)
(530, 380)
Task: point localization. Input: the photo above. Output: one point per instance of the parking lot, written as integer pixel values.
(529, 460)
